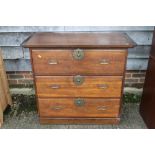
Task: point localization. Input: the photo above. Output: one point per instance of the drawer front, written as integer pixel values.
(85, 62)
(78, 107)
(78, 86)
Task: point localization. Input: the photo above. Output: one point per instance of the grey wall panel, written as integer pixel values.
(13, 39)
(18, 65)
(137, 64)
(73, 28)
(109, 28)
(139, 52)
(31, 28)
(141, 38)
(15, 52)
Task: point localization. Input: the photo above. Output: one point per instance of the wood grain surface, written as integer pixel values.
(66, 107)
(93, 86)
(5, 84)
(95, 62)
(50, 120)
(79, 39)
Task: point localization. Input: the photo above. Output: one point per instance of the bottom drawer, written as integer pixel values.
(78, 107)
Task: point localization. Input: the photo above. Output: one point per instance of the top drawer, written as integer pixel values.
(78, 61)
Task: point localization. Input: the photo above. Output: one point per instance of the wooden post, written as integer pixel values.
(1, 115)
(2, 102)
(5, 97)
(4, 80)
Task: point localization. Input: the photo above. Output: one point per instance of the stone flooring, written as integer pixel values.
(130, 119)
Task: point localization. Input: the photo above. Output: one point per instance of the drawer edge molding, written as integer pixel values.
(44, 120)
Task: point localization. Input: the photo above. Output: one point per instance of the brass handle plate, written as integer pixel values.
(79, 102)
(102, 86)
(102, 108)
(54, 86)
(78, 79)
(78, 54)
(52, 62)
(104, 62)
(57, 107)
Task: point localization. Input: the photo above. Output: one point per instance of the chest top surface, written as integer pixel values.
(79, 39)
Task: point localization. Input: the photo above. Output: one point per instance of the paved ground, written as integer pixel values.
(29, 120)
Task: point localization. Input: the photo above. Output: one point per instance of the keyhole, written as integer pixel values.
(78, 80)
(78, 54)
(79, 102)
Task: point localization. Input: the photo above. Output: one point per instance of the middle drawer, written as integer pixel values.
(78, 86)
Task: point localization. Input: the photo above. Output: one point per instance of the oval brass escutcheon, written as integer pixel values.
(78, 79)
(79, 102)
(78, 54)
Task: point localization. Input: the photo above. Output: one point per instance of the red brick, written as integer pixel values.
(11, 72)
(25, 81)
(137, 85)
(16, 76)
(13, 82)
(24, 72)
(131, 80)
(128, 75)
(142, 80)
(27, 76)
(138, 75)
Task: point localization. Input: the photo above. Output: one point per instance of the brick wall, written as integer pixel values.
(25, 79)
(135, 79)
(20, 79)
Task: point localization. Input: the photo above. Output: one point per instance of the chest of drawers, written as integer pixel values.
(79, 76)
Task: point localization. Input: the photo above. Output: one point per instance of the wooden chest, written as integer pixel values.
(79, 76)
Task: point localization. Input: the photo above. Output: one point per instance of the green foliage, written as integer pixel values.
(131, 98)
(26, 103)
